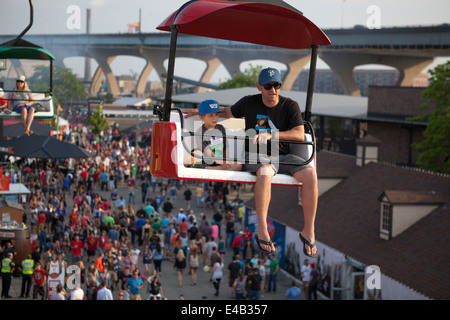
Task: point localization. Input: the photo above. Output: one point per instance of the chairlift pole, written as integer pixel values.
(29, 24)
(312, 74)
(167, 104)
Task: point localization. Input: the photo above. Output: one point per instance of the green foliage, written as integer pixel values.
(247, 79)
(98, 120)
(109, 98)
(434, 151)
(66, 86)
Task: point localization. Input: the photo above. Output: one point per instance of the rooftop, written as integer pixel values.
(323, 104)
(348, 220)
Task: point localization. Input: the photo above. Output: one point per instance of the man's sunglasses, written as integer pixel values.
(272, 85)
(19, 81)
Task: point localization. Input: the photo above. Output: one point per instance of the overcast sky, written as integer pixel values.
(113, 16)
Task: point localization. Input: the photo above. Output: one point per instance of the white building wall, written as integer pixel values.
(338, 275)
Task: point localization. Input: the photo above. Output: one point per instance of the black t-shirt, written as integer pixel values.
(217, 217)
(234, 268)
(254, 282)
(167, 207)
(230, 227)
(187, 195)
(193, 231)
(284, 116)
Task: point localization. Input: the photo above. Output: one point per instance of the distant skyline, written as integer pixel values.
(114, 16)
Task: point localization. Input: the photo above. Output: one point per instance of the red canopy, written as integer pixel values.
(259, 23)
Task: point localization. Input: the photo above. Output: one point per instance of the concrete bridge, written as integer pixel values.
(408, 49)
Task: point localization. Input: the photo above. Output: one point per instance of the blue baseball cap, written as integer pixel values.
(208, 106)
(269, 75)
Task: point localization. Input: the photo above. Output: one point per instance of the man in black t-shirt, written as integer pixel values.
(234, 267)
(253, 284)
(272, 117)
(269, 118)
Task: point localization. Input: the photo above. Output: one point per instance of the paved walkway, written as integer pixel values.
(204, 288)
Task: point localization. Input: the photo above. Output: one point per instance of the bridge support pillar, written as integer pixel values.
(156, 58)
(342, 67)
(231, 65)
(143, 77)
(294, 69)
(104, 69)
(343, 64)
(410, 68)
(96, 82)
(212, 66)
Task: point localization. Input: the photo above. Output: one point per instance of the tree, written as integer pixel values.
(109, 98)
(434, 150)
(98, 120)
(66, 86)
(248, 78)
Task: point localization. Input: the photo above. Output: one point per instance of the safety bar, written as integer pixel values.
(307, 124)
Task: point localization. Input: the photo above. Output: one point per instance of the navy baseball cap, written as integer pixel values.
(269, 75)
(209, 106)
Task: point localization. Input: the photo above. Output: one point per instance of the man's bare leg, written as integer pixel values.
(308, 177)
(263, 190)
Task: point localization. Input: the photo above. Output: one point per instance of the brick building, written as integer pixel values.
(11, 211)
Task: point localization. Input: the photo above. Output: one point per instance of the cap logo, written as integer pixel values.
(271, 73)
(213, 106)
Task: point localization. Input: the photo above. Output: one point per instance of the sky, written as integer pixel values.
(113, 16)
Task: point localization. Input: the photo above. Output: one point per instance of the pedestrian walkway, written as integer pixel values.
(204, 288)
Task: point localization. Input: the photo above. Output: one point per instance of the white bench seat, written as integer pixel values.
(45, 101)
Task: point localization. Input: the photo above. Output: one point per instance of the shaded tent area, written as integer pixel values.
(18, 130)
(44, 147)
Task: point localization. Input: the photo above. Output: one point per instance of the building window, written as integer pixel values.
(386, 218)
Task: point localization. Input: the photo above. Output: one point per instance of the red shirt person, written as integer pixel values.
(77, 249)
(102, 241)
(39, 276)
(92, 244)
(73, 219)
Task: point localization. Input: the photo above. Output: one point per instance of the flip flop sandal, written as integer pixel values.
(265, 243)
(306, 242)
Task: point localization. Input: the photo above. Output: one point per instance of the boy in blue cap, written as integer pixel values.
(213, 143)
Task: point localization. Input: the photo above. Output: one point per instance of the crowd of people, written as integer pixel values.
(119, 241)
(102, 229)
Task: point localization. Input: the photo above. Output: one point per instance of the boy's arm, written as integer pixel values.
(227, 113)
